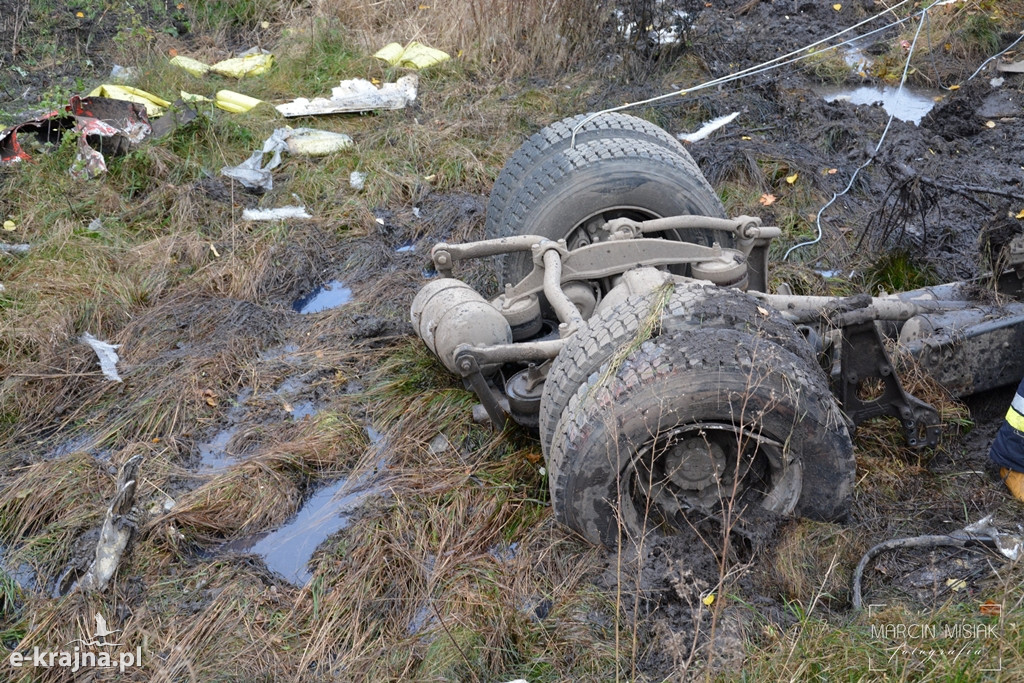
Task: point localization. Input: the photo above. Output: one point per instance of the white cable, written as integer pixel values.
(871, 157)
(995, 56)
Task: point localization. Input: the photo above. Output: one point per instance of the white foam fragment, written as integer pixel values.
(280, 213)
(709, 128)
(107, 353)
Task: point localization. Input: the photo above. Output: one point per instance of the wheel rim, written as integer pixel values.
(714, 470)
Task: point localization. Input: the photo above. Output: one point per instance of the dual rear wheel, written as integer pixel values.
(671, 406)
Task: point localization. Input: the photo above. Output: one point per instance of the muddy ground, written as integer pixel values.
(931, 190)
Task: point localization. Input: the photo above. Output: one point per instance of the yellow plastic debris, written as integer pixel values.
(415, 55)
(234, 102)
(1020, 215)
(193, 66)
(792, 178)
(240, 67)
(154, 105)
(192, 97)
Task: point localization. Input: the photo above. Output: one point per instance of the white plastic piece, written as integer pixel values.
(357, 180)
(710, 127)
(356, 95)
(107, 353)
(278, 214)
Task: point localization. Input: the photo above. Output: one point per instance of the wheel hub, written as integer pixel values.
(695, 464)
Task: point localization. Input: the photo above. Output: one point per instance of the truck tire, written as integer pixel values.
(599, 180)
(688, 307)
(551, 140)
(704, 423)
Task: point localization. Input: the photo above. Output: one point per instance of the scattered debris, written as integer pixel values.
(278, 214)
(118, 528)
(123, 73)
(14, 248)
(357, 180)
(356, 95)
(708, 128)
(982, 531)
(1011, 67)
(415, 55)
(250, 63)
(154, 105)
(107, 354)
(253, 173)
(105, 126)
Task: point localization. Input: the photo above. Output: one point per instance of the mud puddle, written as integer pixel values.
(288, 550)
(23, 575)
(327, 296)
(910, 105)
(214, 454)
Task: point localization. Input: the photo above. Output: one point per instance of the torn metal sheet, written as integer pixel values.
(106, 126)
(356, 95)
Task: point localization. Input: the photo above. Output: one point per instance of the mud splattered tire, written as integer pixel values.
(686, 307)
(600, 180)
(549, 142)
(688, 421)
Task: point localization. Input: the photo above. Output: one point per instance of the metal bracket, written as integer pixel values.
(468, 367)
(864, 358)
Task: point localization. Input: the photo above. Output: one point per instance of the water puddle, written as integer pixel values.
(303, 409)
(330, 295)
(288, 550)
(909, 105)
(85, 443)
(213, 454)
(23, 574)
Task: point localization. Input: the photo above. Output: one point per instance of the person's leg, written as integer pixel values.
(1008, 447)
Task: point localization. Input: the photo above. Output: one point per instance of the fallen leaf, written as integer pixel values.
(264, 25)
(1020, 216)
(956, 584)
(9, 226)
(837, 7)
(172, 52)
(533, 457)
(953, 87)
(990, 124)
(792, 178)
(762, 311)
(833, 171)
(710, 598)
(745, 137)
(215, 252)
(766, 199)
(990, 609)
(210, 398)
(79, 15)
(288, 407)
